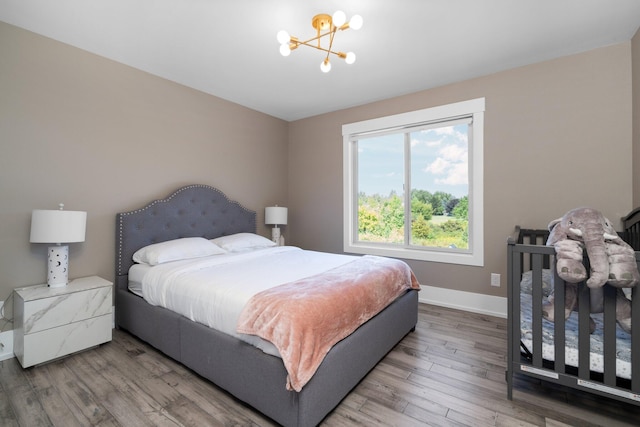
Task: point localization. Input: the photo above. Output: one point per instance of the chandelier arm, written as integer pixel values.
(333, 34)
(340, 54)
(306, 42)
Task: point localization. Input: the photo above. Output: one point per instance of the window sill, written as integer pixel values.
(444, 256)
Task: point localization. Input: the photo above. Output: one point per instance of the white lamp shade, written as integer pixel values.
(356, 22)
(57, 226)
(275, 215)
(339, 18)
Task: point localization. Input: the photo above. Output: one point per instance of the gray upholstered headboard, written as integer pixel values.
(195, 210)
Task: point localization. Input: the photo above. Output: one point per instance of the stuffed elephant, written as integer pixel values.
(611, 260)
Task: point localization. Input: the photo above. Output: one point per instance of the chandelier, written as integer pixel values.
(325, 25)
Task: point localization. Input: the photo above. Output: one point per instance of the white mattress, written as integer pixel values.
(596, 358)
(213, 290)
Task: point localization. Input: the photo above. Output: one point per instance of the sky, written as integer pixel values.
(439, 161)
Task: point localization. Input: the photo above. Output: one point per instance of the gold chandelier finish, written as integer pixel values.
(324, 25)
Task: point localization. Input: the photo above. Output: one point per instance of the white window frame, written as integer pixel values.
(350, 132)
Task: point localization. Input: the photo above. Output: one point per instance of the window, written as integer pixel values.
(413, 184)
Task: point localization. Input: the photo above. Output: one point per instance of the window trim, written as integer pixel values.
(474, 108)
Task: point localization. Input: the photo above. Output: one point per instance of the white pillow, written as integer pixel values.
(174, 250)
(242, 242)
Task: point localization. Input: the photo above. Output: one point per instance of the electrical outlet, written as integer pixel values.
(495, 280)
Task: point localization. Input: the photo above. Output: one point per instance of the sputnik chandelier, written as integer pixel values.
(325, 25)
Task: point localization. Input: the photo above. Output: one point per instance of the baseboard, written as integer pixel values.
(6, 345)
(467, 301)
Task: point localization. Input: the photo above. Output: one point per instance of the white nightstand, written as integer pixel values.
(54, 322)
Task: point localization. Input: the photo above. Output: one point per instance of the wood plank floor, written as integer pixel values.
(449, 372)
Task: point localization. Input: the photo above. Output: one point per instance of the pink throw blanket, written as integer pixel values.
(304, 319)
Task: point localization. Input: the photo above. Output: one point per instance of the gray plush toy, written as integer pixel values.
(612, 261)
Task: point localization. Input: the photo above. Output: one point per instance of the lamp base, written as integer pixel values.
(275, 235)
(58, 266)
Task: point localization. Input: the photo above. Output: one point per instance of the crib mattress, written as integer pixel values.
(596, 359)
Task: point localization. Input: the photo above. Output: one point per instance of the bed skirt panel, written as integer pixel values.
(350, 361)
(217, 356)
(259, 379)
(155, 325)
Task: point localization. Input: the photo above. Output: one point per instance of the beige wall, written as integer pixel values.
(635, 55)
(103, 137)
(557, 136)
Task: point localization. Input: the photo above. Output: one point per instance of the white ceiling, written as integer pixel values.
(228, 48)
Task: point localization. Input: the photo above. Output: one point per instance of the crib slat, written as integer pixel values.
(584, 333)
(609, 335)
(513, 298)
(536, 308)
(635, 337)
(559, 340)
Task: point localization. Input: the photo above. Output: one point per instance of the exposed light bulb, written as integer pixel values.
(339, 18)
(285, 50)
(356, 22)
(325, 66)
(283, 37)
(350, 58)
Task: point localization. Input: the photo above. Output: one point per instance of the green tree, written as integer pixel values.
(461, 211)
(421, 209)
(423, 195)
(392, 214)
(451, 205)
(439, 201)
(367, 220)
(420, 228)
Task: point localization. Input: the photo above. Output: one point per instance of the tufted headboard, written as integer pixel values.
(194, 210)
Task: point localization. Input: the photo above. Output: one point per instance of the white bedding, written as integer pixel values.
(213, 290)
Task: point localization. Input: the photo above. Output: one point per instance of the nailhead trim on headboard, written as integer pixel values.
(194, 210)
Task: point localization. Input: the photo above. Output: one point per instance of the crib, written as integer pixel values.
(606, 362)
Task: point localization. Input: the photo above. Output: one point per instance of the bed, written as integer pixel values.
(250, 373)
(606, 362)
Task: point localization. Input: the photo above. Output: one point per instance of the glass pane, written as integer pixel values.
(380, 189)
(440, 187)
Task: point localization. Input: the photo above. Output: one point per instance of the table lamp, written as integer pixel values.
(275, 215)
(58, 226)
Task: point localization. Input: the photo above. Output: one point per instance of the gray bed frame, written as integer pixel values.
(246, 372)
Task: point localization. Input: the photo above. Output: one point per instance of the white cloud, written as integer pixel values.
(454, 153)
(451, 165)
(438, 166)
(457, 174)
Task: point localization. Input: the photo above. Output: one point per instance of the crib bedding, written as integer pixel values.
(596, 359)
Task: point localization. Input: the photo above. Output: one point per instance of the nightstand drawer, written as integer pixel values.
(47, 313)
(54, 322)
(50, 344)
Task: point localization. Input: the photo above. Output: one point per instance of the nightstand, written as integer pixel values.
(54, 322)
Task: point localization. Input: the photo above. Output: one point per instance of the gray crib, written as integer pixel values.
(532, 339)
